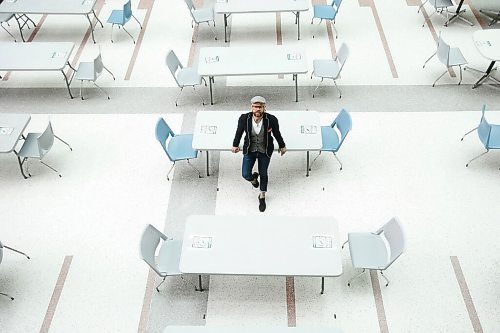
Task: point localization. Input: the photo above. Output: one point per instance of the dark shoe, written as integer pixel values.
(255, 181)
(262, 204)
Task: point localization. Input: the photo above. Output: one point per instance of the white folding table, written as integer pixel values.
(245, 329)
(214, 131)
(229, 7)
(61, 7)
(238, 61)
(261, 245)
(488, 45)
(12, 127)
(36, 56)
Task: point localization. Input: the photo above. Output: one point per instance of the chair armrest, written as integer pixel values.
(368, 250)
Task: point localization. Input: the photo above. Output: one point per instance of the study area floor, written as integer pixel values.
(403, 158)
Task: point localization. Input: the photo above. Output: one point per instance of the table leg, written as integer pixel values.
(208, 164)
(210, 79)
(20, 165)
(296, 88)
(307, 164)
(200, 287)
(67, 83)
(485, 76)
(20, 27)
(322, 285)
(298, 25)
(225, 28)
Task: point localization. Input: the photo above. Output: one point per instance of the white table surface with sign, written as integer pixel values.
(228, 7)
(58, 7)
(12, 127)
(214, 131)
(239, 61)
(487, 43)
(261, 245)
(36, 56)
(241, 329)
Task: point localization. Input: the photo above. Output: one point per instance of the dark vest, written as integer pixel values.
(257, 141)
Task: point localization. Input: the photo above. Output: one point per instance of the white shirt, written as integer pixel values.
(256, 125)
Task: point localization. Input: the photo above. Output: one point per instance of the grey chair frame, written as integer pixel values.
(2, 246)
(340, 58)
(98, 63)
(191, 8)
(174, 64)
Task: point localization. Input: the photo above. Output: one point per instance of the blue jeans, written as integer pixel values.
(263, 164)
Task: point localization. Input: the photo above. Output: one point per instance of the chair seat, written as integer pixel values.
(494, 142)
(188, 76)
(324, 12)
(169, 257)
(117, 17)
(441, 3)
(456, 57)
(85, 72)
(203, 15)
(30, 147)
(180, 147)
(330, 139)
(4, 17)
(368, 250)
(327, 68)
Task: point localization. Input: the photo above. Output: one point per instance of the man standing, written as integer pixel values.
(258, 144)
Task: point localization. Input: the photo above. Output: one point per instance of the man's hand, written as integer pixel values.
(282, 151)
(235, 149)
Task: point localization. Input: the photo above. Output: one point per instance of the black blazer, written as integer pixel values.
(271, 126)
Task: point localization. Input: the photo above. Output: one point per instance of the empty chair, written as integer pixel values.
(489, 135)
(165, 261)
(90, 71)
(5, 18)
(1, 257)
(330, 68)
(377, 250)
(183, 76)
(120, 17)
(201, 15)
(328, 13)
(37, 145)
(177, 147)
(449, 56)
(331, 140)
(440, 6)
(489, 8)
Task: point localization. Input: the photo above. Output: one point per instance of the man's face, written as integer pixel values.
(258, 110)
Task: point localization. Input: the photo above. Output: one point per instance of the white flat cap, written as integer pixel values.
(258, 99)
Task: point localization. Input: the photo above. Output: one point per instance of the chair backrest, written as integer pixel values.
(336, 4)
(342, 55)
(484, 130)
(45, 140)
(190, 5)
(127, 10)
(173, 64)
(393, 232)
(163, 133)
(443, 51)
(98, 66)
(150, 239)
(1, 252)
(343, 122)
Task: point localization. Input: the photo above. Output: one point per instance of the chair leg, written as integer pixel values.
(112, 25)
(347, 241)
(429, 18)
(475, 158)
(51, 168)
(336, 86)
(440, 76)
(460, 67)
(197, 93)
(354, 277)
(11, 298)
(104, 91)
(213, 31)
(27, 166)
(385, 278)
(310, 166)
(420, 7)
(335, 29)
(192, 166)
(170, 170)
(11, 35)
(107, 70)
(432, 56)
(317, 87)
(158, 286)
(128, 33)
(135, 18)
(338, 161)
(469, 132)
(17, 251)
(178, 96)
(81, 87)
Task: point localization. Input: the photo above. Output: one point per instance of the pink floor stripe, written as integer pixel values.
(146, 304)
(290, 302)
(379, 302)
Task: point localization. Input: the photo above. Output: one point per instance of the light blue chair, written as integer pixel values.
(488, 134)
(1, 257)
(331, 140)
(328, 13)
(177, 147)
(377, 250)
(120, 17)
(183, 76)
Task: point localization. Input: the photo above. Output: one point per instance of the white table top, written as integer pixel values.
(260, 245)
(488, 43)
(227, 61)
(260, 6)
(67, 7)
(229, 329)
(214, 130)
(34, 56)
(11, 128)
